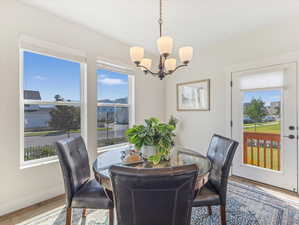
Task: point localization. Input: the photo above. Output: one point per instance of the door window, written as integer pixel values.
(261, 128)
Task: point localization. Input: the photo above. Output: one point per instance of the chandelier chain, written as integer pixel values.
(160, 21)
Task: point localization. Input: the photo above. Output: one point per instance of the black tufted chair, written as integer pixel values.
(81, 191)
(144, 198)
(221, 153)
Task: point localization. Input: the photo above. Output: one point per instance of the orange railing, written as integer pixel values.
(262, 149)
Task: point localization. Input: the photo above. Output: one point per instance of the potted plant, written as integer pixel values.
(155, 139)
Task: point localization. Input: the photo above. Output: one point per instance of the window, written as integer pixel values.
(51, 96)
(262, 100)
(114, 107)
(262, 128)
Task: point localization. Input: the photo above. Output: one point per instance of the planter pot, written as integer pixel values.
(148, 151)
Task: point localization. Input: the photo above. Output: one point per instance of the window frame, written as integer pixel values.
(83, 74)
(103, 65)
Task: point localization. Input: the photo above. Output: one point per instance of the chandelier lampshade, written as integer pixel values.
(186, 54)
(170, 64)
(137, 54)
(165, 45)
(146, 63)
(166, 65)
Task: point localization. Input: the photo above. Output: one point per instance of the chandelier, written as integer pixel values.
(167, 65)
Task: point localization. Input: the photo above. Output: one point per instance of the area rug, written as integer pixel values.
(246, 205)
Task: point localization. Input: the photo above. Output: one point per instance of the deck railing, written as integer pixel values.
(262, 149)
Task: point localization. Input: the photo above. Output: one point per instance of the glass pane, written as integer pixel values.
(262, 128)
(46, 124)
(48, 78)
(112, 87)
(112, 123)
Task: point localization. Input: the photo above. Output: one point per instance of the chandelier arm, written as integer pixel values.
(178, 67)
(148, 70)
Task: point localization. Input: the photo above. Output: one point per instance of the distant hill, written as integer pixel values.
(118, 100)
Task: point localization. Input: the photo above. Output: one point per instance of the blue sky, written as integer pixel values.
(267, 96)
(51, 76)
(111, 85)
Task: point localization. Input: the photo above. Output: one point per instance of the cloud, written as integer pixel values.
(38, 77)
(112, 81)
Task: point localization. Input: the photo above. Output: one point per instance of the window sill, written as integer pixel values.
(112, 147)
(38, 162)
(54, 159)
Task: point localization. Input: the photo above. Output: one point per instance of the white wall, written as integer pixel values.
(20, 188)
(196, 128)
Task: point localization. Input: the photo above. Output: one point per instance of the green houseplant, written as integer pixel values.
(160, 136)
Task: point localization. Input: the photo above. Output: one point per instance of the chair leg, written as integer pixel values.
(223, 215)
(68, 216)
(111, 216)
(84, 213)
(210, 210)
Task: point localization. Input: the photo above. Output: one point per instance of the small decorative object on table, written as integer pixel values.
(155, 139)
(131, 157)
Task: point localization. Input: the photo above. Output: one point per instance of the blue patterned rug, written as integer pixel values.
(246, 205)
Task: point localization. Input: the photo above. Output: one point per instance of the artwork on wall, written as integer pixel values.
(193, 96)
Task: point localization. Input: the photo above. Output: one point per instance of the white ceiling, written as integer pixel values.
(190, 22)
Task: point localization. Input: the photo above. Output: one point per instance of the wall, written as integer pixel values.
(23, 187)
(213, 62)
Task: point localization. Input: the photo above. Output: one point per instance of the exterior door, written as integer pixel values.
(264, 121)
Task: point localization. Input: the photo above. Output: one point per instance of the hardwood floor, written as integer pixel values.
(59, 201)
(32, 211)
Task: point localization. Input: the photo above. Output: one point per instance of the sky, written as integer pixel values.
(51, 76)
(267, 96)
(111, 85)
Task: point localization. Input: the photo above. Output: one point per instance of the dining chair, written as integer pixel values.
(221, 153)
(153, 196)
(81, 190)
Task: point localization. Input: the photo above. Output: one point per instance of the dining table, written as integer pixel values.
(179, 156)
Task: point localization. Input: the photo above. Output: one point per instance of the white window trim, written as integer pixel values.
(83, 74)
(131, 98)
(51, 49)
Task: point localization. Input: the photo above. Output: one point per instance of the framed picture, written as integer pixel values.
(193, 96)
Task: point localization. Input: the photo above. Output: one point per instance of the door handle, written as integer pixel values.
(291, 136)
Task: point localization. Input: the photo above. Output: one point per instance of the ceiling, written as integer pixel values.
(193, 22)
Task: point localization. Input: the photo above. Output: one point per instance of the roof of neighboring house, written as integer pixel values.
(32, 95)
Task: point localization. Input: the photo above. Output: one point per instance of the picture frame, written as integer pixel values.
(193, 95)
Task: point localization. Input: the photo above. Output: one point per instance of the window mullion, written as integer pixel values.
(113, 104)
(38, 102)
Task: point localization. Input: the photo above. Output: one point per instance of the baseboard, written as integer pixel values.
(257, 183)
(27, 201)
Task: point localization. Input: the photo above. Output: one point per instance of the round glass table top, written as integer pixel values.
(179, 156)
